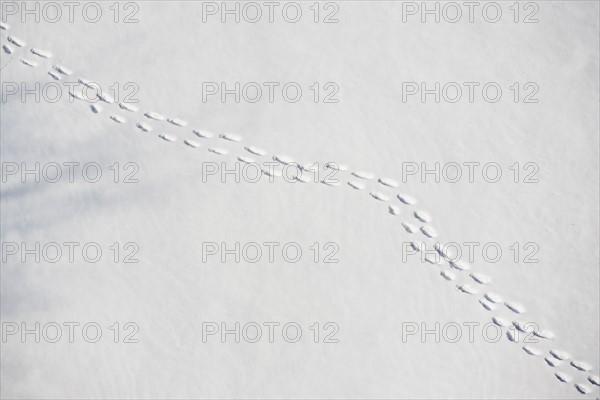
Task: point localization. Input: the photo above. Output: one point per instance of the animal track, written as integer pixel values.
(217, 150)
(560, 355)
(489, 299)
(41, 53)
(563, 377)
(583, 389)
(406, 199)
(379, 196)
(515, 307)
(360, 186)
(408, 227)
(143, 127)
(176, 122)
(255, 150)
(203, 134)
(363, 175)
(15, 41)
(231, 137)
(28, 63)
(531, 350)
(105, 98)
(154, 116)
(191, 143)
(62, 69)
(388, 182)
(127, 107)
(448, 275)
(422, 216)
(580, 365)
(283, 160)
(167, 137)
(118, 119)
(480, 278)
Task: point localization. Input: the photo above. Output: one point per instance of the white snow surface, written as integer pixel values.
(371, 292)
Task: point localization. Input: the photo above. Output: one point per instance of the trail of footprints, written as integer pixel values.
(358, 180)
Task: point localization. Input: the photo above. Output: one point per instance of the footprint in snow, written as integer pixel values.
(272, 172)
(544, 334)
(88, 84)
(217, 150)
(415, 246)
(561, 376)
(523, 326)
(246, 160)
(167, 137)
(581, 365)
(255, 150)
(143, 127)
(283, 160)
(336, 166)
(191, 143)
(460, 265)
(176, 121)
(493, 297)
(583, 389)
(487, 305)
(154, 116)
(7, 49)
(4, 26)
(95, 109)
(594, 380)
(28, 63)
(408, 227)
(466, 288)
(41, 53)
(203, 134)
(560, 355)
(429, 232)
(231, 137)
(532, 351)
(57, 78)
(303, 179)
(17, 42)
(500, 322)
(118, 119)
(406, 199)
(379, 196)
(62, 69)
(127, 107)
(73, 94)
(330, 182)
(363, 175)
(422, 216)
(393, 210)
(515, 307)
(447, 275)
(105, 97)
(388, 182)
(356, 185)
(432, 259)
(440, 250)
(480, 278)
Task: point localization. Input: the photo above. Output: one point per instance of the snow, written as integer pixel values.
(162, 204)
